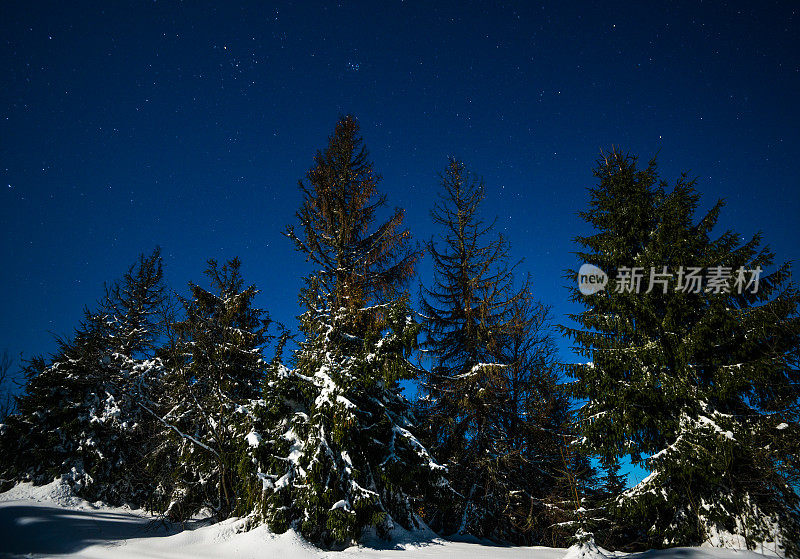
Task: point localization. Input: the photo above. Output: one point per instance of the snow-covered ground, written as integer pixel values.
(48, 521)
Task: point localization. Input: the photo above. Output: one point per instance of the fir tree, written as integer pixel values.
(700, 385)
(214, 372)
(530, 427)
(465, 312)
(79, 415)
(337, 452)
(491, 402)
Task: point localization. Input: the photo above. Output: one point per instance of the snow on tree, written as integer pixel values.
(337, 451)
(491, 401)
(691, 383)
(214, 371)
(79, 416)
(585, 548)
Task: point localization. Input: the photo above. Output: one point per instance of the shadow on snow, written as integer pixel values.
(48, 530)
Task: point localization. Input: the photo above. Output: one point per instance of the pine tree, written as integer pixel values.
(701, 387)
(491, 402)
(214, 372)
(531, 425)
(465, 312)
(599, 503)
(337, 452)
(79, 416)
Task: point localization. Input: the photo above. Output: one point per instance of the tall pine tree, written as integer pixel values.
(337, 452)
(214, 371)
(490, 396)
(79, 416)
(698, 385)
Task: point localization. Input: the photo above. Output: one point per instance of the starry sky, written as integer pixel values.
(126, 125)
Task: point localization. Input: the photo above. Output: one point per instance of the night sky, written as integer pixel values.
(129, 125)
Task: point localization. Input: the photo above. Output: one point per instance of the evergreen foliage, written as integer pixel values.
(79, 415)
(168, 402)
(338, 453)
(213, 373)
(492, 406)
(7, 401)
(700, 387)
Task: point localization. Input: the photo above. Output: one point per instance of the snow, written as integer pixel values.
(342, 504)
(327, 389)
(719, 538)
(296, 450)
(253, 439)
(480, 367)
(48, 521)
(283, 481)
(57, 492)
(587, 550)
(709, 422)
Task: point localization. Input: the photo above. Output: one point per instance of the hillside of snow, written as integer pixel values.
(49, 521)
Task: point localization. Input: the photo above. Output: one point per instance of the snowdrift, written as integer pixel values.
(49, 521)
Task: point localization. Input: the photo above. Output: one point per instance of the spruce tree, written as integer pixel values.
(490, 396)
(530, 427)
(698, 385)
(337, 453)
(7, 402)
(79, 416)
(213, 373)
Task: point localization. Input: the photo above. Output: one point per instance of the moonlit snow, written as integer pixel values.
(49, 521)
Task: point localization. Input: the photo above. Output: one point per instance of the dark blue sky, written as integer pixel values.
(129, 125)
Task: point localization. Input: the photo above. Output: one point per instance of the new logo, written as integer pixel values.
(591, 279)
